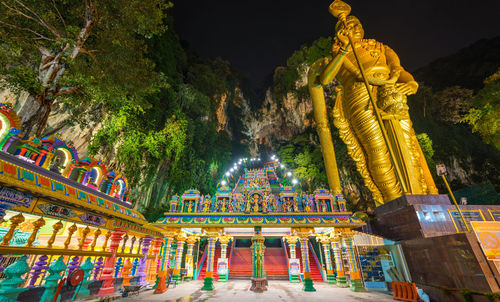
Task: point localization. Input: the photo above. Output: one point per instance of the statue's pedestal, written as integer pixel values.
(259, 285)
(434, 243)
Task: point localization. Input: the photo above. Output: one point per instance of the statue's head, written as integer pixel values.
(353, 25)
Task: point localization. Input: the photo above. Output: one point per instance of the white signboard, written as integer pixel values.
(294, 264)
(222, 266)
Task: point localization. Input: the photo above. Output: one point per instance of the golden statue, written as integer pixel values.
(372, 116)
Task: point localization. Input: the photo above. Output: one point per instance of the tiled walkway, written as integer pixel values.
(239, 291)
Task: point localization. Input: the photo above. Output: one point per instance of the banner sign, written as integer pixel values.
(222, 266)
(294, 264)
(189, 267)
(488, 235)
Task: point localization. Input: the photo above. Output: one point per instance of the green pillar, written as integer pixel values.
(259, 277)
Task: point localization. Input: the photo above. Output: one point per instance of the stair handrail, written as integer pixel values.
(200, 264)
(230, 258)
(287, 260)
(311, 248)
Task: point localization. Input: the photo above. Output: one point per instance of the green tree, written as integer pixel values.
(78, 52)
(426, 144)
(484, 117)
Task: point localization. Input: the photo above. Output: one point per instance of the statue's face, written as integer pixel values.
(356, 29)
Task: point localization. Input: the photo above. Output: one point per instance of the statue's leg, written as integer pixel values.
(369, 134)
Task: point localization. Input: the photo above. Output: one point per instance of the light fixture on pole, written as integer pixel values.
(289, 174)
(295, 181)
(223, 182)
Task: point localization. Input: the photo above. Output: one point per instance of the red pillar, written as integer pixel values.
(107, 272)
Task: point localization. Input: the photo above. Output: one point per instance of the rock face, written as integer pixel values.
(58, 124)
(278, 120)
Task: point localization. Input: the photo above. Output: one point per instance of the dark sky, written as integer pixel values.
(256, 36)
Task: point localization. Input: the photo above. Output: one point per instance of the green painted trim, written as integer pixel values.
(208, 284)
(330, 279)
(222, 278)
(342, 281)
(357, 285)
(176, 277)
(308, 285)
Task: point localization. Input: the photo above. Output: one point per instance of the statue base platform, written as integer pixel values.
(259, 285)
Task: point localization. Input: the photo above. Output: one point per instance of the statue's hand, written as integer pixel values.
(343, 38)
(408, 88)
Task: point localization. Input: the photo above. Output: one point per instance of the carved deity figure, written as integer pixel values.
(255, 198)
(207, 203)
(380, 139)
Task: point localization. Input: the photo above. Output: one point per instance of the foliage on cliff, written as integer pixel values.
(81, 51)
(484, 117)
(176, 143)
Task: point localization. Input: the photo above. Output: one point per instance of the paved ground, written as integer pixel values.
(239, 291)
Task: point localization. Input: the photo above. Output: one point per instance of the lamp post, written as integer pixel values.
(441, 171)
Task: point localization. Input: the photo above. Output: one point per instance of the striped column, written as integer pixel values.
(191, 240)
(325, 242)
(336, 242)
(304, 242)
(304, 234)
(181, 238)
(356, 282)
(292, 242)
(212, 234)
(166, 252)
(224, 241)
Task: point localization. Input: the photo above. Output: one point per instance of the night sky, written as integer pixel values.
(257, 36)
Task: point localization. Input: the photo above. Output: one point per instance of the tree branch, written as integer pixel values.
(90, 21)
(58, 13)
(89, 53)
(39, 35)
(66, 90)
(40, 19)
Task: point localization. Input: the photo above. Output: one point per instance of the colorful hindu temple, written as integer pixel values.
(67, 224)
(262, 230)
